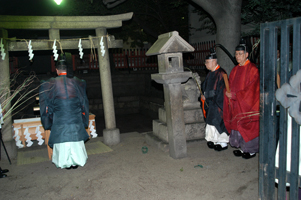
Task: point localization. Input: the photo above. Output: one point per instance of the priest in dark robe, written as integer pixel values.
(241, 105)
(64, 110)
(213, 87)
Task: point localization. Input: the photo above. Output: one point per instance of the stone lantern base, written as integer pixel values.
(194, 125)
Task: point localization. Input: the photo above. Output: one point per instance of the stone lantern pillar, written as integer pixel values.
(169, 48)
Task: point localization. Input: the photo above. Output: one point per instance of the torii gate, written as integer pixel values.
(54, 24)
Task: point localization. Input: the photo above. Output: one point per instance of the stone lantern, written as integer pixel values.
(169, 48)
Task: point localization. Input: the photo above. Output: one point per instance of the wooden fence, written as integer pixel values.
(134, 59)
(202, 49)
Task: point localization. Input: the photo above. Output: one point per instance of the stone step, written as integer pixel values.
(153, 140)
(190, 115)
(160, 130)
(193, 131)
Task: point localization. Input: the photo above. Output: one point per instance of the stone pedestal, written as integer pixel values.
(175, 120)
(169, 48)
(194, 125)
(192, 112)
(174, 114)
(111, 136)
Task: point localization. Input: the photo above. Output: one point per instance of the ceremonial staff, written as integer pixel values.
(225, 76)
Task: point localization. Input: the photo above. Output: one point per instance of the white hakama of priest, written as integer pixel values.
(211, 134)
(69, 154)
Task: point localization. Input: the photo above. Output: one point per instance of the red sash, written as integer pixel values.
(63, 73)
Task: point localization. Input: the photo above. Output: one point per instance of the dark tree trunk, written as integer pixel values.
(227, 17)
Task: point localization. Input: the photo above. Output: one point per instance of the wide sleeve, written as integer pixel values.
(248, 97)
(227, 115)
(46, 111)
(220, 86)
(84, 101)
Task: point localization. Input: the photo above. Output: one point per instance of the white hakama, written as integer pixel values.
(69, 154)
(212, 135)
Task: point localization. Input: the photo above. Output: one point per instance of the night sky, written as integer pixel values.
(32, 7)
(38, 8)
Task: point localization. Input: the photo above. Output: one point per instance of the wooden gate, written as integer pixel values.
(279, 133)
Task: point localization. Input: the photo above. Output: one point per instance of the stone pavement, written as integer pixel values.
(128, 173)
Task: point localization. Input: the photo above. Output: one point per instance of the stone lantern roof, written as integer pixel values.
(169, 43)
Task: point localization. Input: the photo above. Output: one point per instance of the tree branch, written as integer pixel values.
(112, 3)
(210, 6)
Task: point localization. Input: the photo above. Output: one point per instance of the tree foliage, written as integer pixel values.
(206, 21)
(254, 12)
(259, 11)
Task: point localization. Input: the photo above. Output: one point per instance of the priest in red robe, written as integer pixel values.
(241, 106)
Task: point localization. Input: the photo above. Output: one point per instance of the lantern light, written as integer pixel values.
(58, 2)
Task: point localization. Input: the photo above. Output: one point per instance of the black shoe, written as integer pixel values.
(219, 147)
(68, 168)
(237, 153)
(74, 167)
(2, 171)
(3, 175)
(248, 155)
(210, 145)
